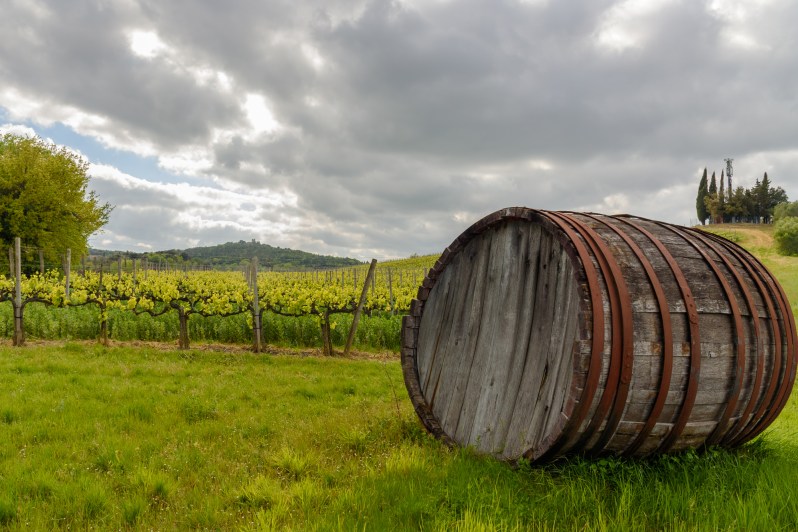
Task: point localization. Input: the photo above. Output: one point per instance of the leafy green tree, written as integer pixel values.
(713, 206)
(785, 209)
(786, 235)
(757, 201)
(776, 196)
(756, 204)
(44, 198)
(766, 198)
(762, 196)
(738, 205)
(712, 201)
(700, 203)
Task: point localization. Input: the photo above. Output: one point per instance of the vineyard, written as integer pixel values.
(384, 289)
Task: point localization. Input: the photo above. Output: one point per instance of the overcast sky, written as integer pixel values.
(371, 128)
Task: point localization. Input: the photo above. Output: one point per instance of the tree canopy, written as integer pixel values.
(756, 204)
(785, 210)
(44, 197)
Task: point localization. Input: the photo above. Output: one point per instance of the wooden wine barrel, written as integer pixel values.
(539, 334)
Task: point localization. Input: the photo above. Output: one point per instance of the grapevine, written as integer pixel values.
(225, 293)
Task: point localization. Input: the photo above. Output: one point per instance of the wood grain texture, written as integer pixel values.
(499, 347)
(487, 372)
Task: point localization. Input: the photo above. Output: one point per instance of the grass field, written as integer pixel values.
(379, 332)
(148, 438)
(158, 439)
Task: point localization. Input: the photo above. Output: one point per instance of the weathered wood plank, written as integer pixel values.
(546, 376)
(483, 339)
(517, 348)
(503, 340)
(458, 352)
(500, 352)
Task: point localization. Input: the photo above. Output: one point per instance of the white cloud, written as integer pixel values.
(187, 160)
(17, 129)
(146, 44)
(313, 56)
(194, 195)
(743, 26)
(34, 8)
(625, 25)
(47, 113)
(193, 210)
(259, 114)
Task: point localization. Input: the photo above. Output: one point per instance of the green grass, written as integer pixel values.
(110, 438)
(161, 439)
(758, 239)
(140, 438)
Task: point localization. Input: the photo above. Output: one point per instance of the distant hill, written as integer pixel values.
(233, 255)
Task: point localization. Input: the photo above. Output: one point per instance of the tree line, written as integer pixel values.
(232, 256)
(718, 203)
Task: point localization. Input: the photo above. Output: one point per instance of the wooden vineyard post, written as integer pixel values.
(183, 317)
(19, 332)
(103, 309)
(390, 290)
(326, 339)
(67, 270)
(359, 309)
(256, 318)
(41, 261)
(104, 325)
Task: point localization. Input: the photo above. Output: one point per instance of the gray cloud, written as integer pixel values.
(402, 122)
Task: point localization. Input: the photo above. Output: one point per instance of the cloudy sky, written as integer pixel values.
(377, 128)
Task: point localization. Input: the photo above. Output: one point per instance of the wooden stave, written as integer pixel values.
(570, 437)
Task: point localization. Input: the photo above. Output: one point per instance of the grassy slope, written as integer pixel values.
(758, 239)
(139, 438)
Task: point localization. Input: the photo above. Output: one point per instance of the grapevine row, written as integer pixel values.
(210, 293)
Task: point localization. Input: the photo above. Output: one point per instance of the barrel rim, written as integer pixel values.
(410, 326)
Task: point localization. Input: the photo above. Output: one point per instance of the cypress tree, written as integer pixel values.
(712, 200)
(700, 203)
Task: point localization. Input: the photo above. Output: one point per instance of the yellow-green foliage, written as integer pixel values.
(786, 235)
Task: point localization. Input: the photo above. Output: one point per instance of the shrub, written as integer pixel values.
(785, 210)
(786, 235)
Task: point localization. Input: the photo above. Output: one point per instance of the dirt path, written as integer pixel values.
(218, 348)
(757, 237)
(750, 235)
